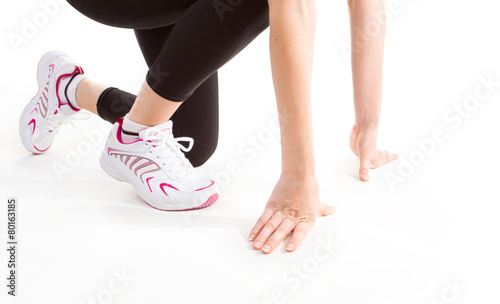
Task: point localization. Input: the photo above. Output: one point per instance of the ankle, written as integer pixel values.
(67, 89)
(130, 129)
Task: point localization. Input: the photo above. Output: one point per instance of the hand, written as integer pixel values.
(293, 206)
(363, 143)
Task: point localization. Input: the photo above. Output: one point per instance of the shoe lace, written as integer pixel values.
(55, 121)
(171, 151)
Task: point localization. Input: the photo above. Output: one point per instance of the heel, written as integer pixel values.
(43, 65)
(110, 168)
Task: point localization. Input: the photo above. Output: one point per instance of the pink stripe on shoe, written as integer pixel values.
(205, 187)
(168, 185)
(34, 125)
(212, 199)
(41, 150)
(147, 181)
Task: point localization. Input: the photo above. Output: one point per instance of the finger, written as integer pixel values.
(326, 210)
(279, 235)
(267, 230)
(382, 154)
(266, 216)
(299, 234)
(382, 160)
(364, 167)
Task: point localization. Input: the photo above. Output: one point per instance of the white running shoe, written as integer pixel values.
(45, 113)
(158, 169)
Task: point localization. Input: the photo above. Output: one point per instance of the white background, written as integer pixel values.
(437, 225)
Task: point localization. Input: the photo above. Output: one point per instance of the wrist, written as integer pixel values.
(299, 170)
(297, 154)
(367, 123)
(367, 115)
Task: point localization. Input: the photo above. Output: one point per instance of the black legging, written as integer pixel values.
(184, 43)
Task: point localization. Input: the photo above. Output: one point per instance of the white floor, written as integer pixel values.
(424, 230)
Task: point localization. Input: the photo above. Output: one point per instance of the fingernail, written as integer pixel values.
(266, 248)
(289, 247)
(251, 236)
(365, 177)
(256, 244)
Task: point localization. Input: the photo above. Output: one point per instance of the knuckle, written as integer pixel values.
(271, 225)
(307, 220)
(260, 222)
(292, 214)
(282, 232)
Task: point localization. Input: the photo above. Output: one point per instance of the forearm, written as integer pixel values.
(293, 24)
(367, 18)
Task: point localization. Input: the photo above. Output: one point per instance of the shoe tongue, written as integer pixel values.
(164, 128)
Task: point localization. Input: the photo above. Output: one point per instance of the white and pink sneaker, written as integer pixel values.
(158, 169)
(48, 110)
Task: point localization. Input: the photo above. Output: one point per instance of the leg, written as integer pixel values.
(198, 118)
(87, 93)
(195, 50)
(229, 33)
(146, 14)
(206, 37)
